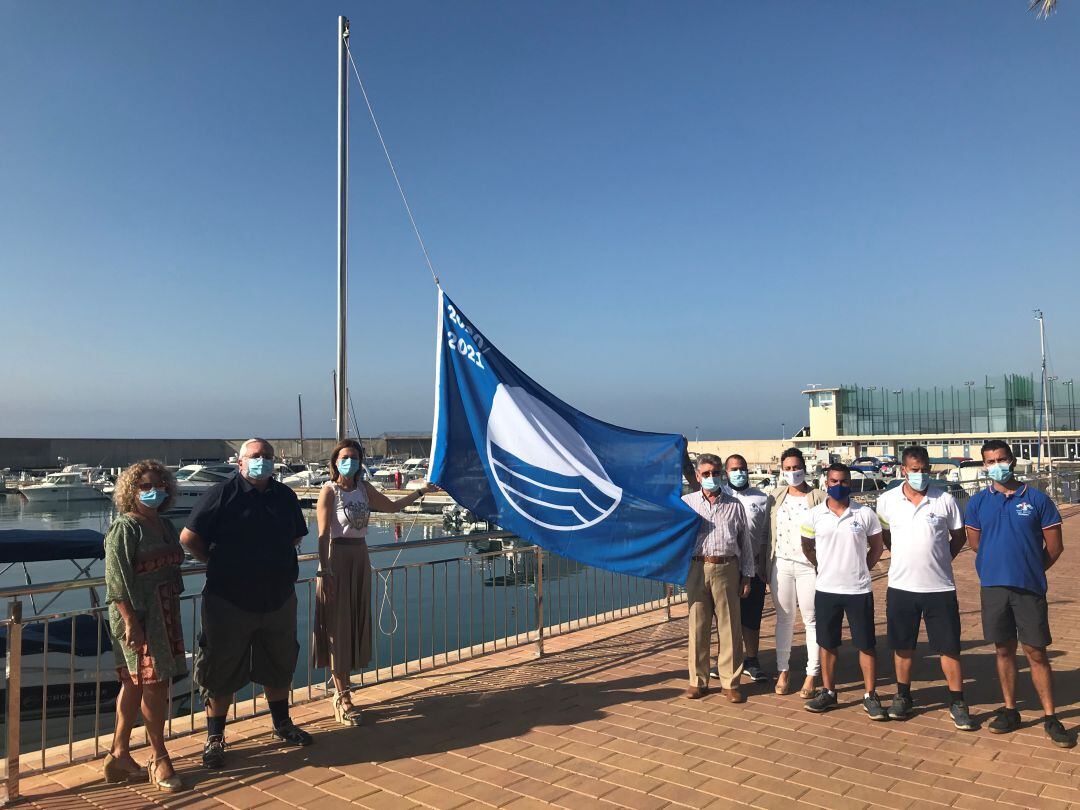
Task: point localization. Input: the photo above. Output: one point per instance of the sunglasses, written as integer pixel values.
(146, 486)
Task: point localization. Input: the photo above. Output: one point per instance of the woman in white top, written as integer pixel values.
(791, 576)
(343, 597)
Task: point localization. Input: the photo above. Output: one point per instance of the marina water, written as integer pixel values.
(428, 601)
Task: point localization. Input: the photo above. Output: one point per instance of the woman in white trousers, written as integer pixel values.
(792, 578)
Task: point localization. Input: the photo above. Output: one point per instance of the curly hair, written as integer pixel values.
(126, 494)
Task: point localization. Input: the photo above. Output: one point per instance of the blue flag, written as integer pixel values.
(528, 462)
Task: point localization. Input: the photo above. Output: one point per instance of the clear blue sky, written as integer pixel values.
(671, 215)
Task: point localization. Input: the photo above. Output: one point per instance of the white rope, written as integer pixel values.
(390, 163)
(385, 577)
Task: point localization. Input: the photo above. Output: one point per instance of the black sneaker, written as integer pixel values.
(714, 673)
(213, 754)
(753, 671)
(960, 717)
(872, 705)
(900, 708)
(1057, 733)
(1005, 721)
(824, 701)
(289, 732)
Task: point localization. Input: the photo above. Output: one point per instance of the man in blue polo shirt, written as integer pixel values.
(1015, 531)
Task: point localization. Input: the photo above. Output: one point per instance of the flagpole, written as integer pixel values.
(342, 410)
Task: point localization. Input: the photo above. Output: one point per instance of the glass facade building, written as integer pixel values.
(1009, 403)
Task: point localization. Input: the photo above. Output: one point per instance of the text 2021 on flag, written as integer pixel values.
(521, 458)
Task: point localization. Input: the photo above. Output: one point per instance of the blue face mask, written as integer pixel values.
(738, 479)
(260, 468)
(999, 472)
(154, 498)
(348, 466)
(918, 481)
(839, 492)
(710, 483)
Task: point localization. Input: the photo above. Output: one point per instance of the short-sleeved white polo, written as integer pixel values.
(921, 558)
(841, 544)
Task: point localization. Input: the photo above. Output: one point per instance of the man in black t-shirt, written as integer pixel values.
(246, 530)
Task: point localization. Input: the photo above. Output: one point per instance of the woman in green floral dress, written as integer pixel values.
(143, 583)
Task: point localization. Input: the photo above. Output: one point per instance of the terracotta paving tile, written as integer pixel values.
(345, 787)
(633, 780)
(830, 801)
(924, 794)
(877, 797)
(635, 800)
(525, 803)
(495, 776)
(385, 801)
(681, 794)
(241, 796)
(325, 800)
(438, 798)
(676, 776)
(585, 784)
(779, 787)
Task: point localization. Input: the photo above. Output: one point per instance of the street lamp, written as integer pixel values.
(697, 433)
(971, 404)
(783, 431)
(1050, 391)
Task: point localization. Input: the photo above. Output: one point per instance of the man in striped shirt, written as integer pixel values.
(720, 574)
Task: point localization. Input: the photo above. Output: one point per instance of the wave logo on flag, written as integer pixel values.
(543, 467)
(522, 459)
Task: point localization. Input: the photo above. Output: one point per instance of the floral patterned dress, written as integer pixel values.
(142, 568)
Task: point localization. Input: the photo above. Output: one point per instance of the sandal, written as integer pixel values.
(808, 692)
(782, 683)
(115, 771)
(346, 715)
(170, 784)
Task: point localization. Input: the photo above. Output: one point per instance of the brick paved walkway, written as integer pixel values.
(600, 722)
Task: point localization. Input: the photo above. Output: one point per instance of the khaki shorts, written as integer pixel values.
(237, 647)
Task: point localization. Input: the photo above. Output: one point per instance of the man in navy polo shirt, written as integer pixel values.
(1015, 531)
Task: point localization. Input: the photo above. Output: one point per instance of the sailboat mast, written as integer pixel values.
(1046, 412)
(300, 410)
(342, 410)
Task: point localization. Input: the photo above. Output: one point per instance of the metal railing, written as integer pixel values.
(426, 613)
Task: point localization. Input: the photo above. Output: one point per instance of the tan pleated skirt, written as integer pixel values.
(343, 626)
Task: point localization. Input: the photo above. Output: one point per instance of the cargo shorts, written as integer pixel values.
(237, 647)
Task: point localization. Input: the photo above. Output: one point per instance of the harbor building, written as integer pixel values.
(950, 421)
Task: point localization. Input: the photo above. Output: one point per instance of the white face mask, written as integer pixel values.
(794, 478)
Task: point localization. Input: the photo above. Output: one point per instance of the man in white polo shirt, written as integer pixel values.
(842, 539)
(924, 529)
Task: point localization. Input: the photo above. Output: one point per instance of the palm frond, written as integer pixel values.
(1042, 8)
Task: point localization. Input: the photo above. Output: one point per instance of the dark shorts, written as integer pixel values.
(753, 605)
(939, 610)
(237, 647)
(830, 609)
(1008, 613)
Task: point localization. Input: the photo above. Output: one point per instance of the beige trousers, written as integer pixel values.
(712, 590)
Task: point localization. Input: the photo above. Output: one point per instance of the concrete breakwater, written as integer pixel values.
(43, 453)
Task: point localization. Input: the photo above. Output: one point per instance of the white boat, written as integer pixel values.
(78, 672)
(311, 477)
(193, 480)
(62, 487)
(67, 664)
